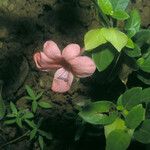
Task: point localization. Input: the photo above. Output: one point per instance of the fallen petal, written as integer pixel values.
(82, 66)
(62, 81)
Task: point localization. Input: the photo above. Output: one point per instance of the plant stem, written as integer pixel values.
(102, 15)
(15, 140)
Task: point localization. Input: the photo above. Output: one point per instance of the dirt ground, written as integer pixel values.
(24, 26)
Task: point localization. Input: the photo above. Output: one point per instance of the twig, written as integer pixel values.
(15, 140)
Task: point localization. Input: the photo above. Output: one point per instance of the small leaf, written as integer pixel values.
(103, 58)
(10, 115)
(99, 113)
(39, 95)
(135, 116)
(146, 95)
(117, 124)
(144, 64)
(130, 43)
(44, 104)
(12, 121)
(19, 122)
(105, 6)
(28, 115)
(31, 123)
(33, 134)
(13, 108)
(118, 140)
(30, 91)
(41, 142)
(142, 134)
(132, 25)
(45, 134)
(93, 39)
(117, 38)
(120, 15)
(34, 106)
(119, 4)
(132, 97)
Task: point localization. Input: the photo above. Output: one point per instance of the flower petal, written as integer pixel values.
(51, 50)
(44, 63)
(82, 66)
(62, 81)
(71, 51)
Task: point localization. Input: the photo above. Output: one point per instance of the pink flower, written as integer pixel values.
(68, 63)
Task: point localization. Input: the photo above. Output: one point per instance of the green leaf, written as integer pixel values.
(30, 91)
(146, 95)
(117, 38)
(100, 112)
(144, 64)
(135, 116)
(118, 140)
(120, 15)
(28, 115)
(93, 39)
(12, 121)
(19, 122)
(10, 115)
(41, 142)
(33, 133)
(2, 107)
(34, 106)
(45, 134)
(117, 124)
(31, 123)
(13, 108)
(130, 43)
(105, 6)
(132, 97)
(44, 104)
(142, 134)
(39, 95)
(103, 58)
(135, 52)
(119, 4)
(132, 25)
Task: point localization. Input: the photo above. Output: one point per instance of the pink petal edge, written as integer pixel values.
(62, 81)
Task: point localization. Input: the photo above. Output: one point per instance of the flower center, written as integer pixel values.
(66, 65)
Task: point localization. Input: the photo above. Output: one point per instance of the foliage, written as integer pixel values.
(122, 121)
(25, 118)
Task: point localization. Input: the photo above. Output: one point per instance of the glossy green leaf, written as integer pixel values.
(117, 38)
(130, 43)
(31, 123)
(28, 115)
(13, 108)
(118, 140)
(103, 58)
(119, 4)
(100, 112)
(132, 25)
(132, 97)
(44, 104)
(142, 134)
(120, 15)
(19, 122)
(117, 124)
(93, 39)
(135, 116)
(146, 95)
(105, 6)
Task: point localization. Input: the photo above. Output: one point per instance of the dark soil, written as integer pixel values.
(24, 26)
